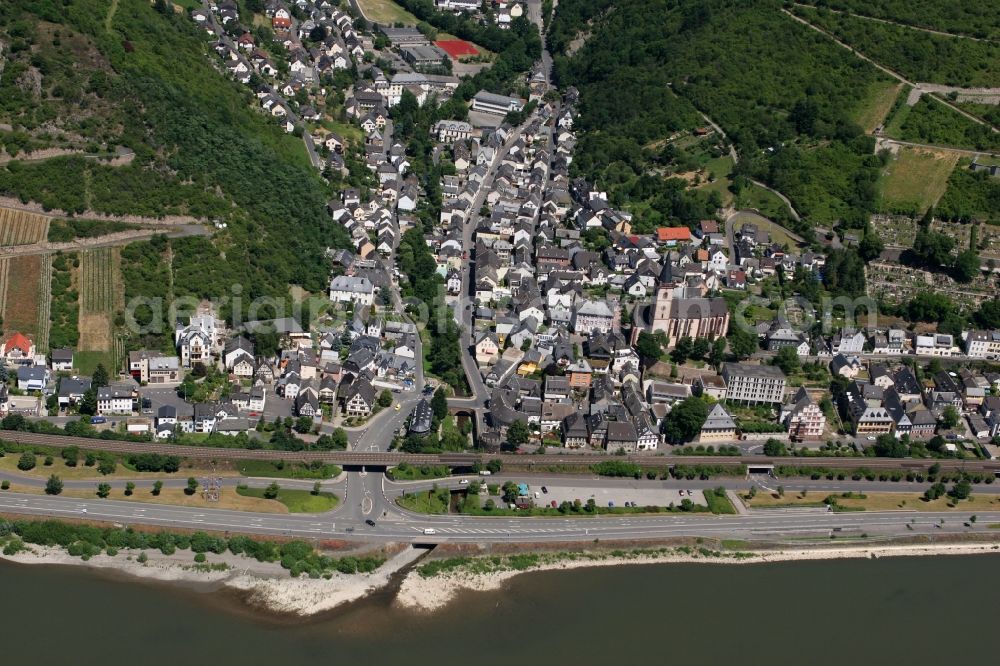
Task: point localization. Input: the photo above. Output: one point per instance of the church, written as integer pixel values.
(681, 309)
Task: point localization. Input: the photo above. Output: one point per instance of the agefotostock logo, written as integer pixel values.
(801, 315)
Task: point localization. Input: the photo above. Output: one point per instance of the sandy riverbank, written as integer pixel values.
(435, 592)
(264, 584)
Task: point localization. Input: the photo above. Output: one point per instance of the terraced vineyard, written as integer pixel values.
(4, 280)
(97, 286)
(18, 227)
(44, 304)
(100, 275)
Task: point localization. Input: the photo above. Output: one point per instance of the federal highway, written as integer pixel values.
(366, 453)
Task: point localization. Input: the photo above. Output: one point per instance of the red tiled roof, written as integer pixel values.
(18, 341)
(664, 234)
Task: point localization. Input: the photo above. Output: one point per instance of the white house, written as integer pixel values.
(357, 290)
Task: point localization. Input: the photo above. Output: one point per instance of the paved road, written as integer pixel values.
(403, 527)
(307, 140)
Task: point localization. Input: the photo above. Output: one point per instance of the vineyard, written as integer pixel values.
(97, 285)
(4, 279)
(18, 227)
(99, 297)
(44, 294)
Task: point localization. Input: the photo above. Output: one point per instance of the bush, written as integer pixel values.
(26, 462)
(5, 485)
(200, 557)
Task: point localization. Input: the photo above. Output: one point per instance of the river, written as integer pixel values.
(922, 610)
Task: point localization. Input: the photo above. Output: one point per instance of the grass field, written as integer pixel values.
(386, 11)
(877, 104)
(81, 472)
(878, 502)
(173, 496)
(423, 502)
(916, 178)
(297, 501)
(18, 227)
(21, 305)
(287, 470)
(87, 361)
(719, 168)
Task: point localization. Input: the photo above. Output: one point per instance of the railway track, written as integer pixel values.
(358, 458)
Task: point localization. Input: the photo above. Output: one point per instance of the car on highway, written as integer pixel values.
(430, 530)
(369, 522)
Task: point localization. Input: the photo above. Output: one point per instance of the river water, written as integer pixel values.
(920, 610)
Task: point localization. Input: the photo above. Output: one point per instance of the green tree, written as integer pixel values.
(107, 464)
(700, 348)
(787, 359)
(54, 485)
(961, 490)
(887, 446)
(682, 350)
(129, 488)
(967, 266)
(26, 461)
(718, 353)
(316, 488)
(775, 447)
(192, 486)
(100, 376)
(742, 342)
(871, 246)
(385, 398)
(303, 424)
(439, 404)
(949, 417)
(103, 490)
(648, 347)
(157, 487)
(271, 492)
(685, 420)
(518, 433)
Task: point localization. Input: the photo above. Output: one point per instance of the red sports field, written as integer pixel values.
(457, 48)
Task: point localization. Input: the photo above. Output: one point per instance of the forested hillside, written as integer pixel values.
(787, 97)
(111, 73)
(918, 55)
(963, 17)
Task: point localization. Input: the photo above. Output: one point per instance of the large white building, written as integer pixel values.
(357, 290)
(501, 105)
(754, 383)
(983, 344)
(115, 400)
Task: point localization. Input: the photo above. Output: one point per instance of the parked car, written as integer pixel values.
(370, 523)
(611, 504)
(463, 482)
(545, 490)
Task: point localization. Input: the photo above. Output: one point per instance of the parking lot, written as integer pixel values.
(642, 497)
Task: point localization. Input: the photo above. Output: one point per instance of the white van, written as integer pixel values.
(485, 472)
(429, 530)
